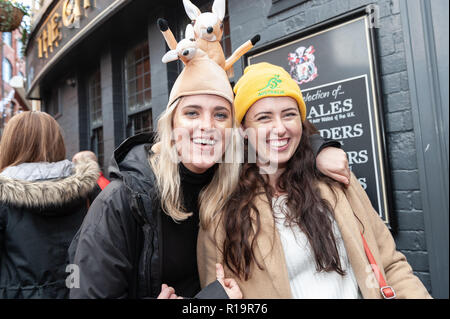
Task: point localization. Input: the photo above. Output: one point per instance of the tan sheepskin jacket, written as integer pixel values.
(273, 281)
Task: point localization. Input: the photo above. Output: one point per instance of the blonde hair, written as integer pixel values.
(165, 166)
(31, 137)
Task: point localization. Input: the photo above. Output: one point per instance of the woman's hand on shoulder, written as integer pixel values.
(230, 285)
(333, 162)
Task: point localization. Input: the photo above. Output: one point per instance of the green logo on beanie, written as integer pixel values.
(271, 85)
(273, 82)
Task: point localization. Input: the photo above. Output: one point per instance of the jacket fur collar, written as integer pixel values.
(55, 192)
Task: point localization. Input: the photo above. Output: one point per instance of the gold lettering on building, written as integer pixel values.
(69, 12)
(87, 4)
(50, 36)
(70, 16)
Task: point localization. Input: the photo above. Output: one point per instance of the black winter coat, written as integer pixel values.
(118, 248)
(38, 220)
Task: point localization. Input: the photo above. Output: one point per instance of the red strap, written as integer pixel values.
(102, 181)
(386, 291)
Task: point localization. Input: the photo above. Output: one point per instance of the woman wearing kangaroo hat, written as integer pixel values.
(287, 231)
(139, 237)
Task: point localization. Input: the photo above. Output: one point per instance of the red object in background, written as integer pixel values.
(102, 181)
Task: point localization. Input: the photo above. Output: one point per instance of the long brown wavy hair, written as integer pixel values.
(31, 137)
(306, 209)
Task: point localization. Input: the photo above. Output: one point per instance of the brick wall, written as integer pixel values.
(18, 64)
(248, 18)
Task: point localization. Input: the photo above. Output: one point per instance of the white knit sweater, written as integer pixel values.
(305, 281)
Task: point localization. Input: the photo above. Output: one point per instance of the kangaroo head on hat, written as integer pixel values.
(208, 31)
(208, 25)
(186, 49)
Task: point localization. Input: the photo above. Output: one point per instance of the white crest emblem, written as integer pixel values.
(302, 66)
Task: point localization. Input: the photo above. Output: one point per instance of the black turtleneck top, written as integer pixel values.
(179, 255)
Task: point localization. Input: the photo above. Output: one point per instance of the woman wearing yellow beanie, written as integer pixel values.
(287, 231)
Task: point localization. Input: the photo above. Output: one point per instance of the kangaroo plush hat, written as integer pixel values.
(208, 31)
(201, 75)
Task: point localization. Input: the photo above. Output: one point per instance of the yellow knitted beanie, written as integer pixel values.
(263, 80)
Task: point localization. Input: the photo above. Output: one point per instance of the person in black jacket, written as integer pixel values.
(43, 200)
(119, 248)
(139, 237)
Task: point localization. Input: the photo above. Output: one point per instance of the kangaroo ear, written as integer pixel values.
(192, 11)
(219, 8)
(170, 56)
(189, 33)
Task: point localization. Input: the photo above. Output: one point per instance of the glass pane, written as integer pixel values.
(131, 72)
(147, 81)
(132, 101)
(97, 145)
(137, 124)
(141, 122)
(137, 54)
(140, 84)
(129, 59)
(140, 99)
(148, 96)
(97, 111)
(95, 98)
(145, 51)
(7, 38)
(132, 87)
(146, 120)
(138, 77)
(139, 69)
